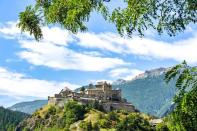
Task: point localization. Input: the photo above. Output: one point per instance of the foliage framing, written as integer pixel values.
(184, 117)
(170, 16)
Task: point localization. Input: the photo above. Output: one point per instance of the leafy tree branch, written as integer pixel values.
(164, 16)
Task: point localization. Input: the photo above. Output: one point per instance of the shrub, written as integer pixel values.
(104, 123)
(87, 126)
(95, 105)
(95, 127)
(162, 127)
(73, 112)
(74, 108)
(134, 122)
(124, 112)
(113, 116)
(52, 110)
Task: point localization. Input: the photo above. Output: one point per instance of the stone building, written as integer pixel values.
(102, 92)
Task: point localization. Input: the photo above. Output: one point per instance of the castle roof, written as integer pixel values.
(102, 83)
(66, 89)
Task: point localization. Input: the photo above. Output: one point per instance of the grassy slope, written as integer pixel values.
(92, 115)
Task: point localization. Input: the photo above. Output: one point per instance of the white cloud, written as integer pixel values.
(99, 80)
(9, 29)
(54, 35)
(19, 85)
(59, 57)
(118, 72)
(179, 50)
(53, 52)
(104, 41)
(143, 47)
(57, 36)
(125, 73)
(133, 73)
(93, 53)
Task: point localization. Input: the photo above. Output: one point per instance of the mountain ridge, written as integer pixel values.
(28, 107)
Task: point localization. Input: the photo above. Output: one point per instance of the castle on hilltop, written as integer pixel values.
(102, 92)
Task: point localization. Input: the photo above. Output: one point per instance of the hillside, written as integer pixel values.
(75, 116)
(9, 119)
(28, 107)
(149, 92)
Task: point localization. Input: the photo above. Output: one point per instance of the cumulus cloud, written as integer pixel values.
(57, 36)
(125, 73)
(19, 85)
(119, 71)
(143, 47)
(54, 35)
(104, 41)
(58, 57)
(53, 52)
(178, 51)
(9, 30)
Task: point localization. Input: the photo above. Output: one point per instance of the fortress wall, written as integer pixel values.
(123, 106)
(51, 101)
(108, 106)
(118, 106)
(62, 102)
(57, 101)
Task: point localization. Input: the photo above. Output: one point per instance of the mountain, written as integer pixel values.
(10, 119)
(28, 107)
(149, 92)
(119, 81)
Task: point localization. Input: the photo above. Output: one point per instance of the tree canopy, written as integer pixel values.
(169, 16)
(10, 119)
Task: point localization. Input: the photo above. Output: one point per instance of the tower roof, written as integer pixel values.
(66, 89)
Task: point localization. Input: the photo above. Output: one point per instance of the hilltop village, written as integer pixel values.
(102, 92)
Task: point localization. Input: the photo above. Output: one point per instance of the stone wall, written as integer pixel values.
(108, 106)
(57, 101)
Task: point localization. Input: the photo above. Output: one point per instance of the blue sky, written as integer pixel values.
(30, 70)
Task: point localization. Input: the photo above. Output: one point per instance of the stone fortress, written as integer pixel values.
(102, 92)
